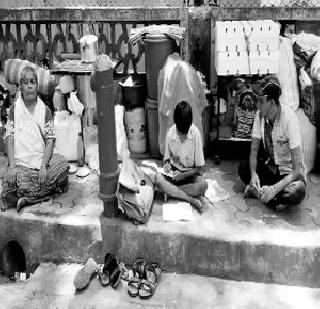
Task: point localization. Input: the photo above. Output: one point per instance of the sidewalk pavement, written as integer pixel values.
(51, 286)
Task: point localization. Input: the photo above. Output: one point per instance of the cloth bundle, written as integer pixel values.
(175, 32)
(135, 192)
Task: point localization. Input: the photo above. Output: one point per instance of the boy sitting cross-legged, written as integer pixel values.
(183, 159)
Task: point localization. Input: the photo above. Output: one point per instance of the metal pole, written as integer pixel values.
(102, 84)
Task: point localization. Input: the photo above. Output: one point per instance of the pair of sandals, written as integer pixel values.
(145, 279)
(110, 271)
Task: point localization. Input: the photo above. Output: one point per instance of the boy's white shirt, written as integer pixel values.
(190, 151)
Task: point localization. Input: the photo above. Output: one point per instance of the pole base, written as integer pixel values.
(110, 209)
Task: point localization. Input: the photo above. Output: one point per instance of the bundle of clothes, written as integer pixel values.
(306, 48)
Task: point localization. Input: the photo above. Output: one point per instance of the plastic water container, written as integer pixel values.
(153, 127)
(13, 68)
(158, 48)
(135, 125)
(89, 48)
(67, 128)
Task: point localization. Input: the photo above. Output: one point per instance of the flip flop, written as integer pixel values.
(115, 278)
(112, 267)
(103, 275)
(148, 286)
(84, 275)
(133, 287)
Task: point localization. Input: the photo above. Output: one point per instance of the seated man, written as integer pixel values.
(279, 178)
(33, 172)
(183, 158)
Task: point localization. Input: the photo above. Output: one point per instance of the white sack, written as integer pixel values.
(288, 75)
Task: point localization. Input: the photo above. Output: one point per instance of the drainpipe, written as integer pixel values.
(102, 84)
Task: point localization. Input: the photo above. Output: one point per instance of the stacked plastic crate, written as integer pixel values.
(246, 47)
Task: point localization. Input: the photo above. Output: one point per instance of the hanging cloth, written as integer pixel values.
(178, 81)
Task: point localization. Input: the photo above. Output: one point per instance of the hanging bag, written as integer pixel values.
(135, 192)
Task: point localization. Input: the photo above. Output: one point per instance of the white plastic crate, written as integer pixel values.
(229, 36)
(261, 35)
(264, 44)
(265, 62)
(232, 63)
(262, 28)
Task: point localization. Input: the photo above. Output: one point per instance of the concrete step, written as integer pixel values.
(51, 286)
(234, 239)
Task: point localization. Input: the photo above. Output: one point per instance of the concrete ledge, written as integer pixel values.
(234, 239)
(210, 256)
(46, 239)
(43, 239)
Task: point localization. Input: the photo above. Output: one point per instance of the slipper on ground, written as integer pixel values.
(84, 275)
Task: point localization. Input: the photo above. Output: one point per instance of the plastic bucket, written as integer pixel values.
(152, 121)
(133, 96)
(135, 125)
(158, 48)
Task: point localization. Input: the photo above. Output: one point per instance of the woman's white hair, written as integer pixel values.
(27, 69)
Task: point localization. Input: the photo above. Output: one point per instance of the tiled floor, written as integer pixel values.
(228, 210)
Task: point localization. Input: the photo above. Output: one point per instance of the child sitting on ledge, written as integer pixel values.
(183, 159)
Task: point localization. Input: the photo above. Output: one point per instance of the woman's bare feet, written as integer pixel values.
(3, 207)
(21, 203)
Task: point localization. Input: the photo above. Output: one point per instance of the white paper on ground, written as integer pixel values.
(215, 192)
(177, 211)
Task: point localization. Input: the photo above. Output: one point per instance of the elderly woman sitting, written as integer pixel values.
(33, 172)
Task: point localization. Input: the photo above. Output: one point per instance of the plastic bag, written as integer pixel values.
(67, 128)
(304, 79)
(135, 192)
(74, 105)
(122, 143)
(315, 66)
(287, 75)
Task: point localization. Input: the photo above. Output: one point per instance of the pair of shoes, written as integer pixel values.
(84, 275)
(110, 271)
(145, 287)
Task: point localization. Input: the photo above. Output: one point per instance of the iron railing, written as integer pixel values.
(43, 43)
